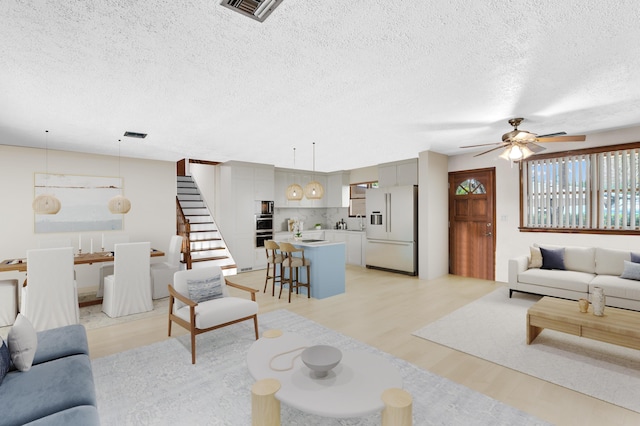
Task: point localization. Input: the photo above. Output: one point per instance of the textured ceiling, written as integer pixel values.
(369, 81)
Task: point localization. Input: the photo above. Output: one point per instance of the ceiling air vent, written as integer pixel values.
(255, 9)
(135, 135)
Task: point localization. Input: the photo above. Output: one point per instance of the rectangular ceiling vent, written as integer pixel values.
(255, 9)
(135, 135)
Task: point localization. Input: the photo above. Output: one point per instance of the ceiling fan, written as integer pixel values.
(520, 144)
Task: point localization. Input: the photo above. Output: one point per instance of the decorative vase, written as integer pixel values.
(584, 305)
(598, 300)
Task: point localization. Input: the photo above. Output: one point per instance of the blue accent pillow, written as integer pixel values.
(5, 360)
(631, 271)
(552, 258)
(635, 257)
(206, 289)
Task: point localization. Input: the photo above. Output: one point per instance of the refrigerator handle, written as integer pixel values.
(389, 213)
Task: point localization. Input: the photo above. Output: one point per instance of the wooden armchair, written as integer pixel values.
(199, 301)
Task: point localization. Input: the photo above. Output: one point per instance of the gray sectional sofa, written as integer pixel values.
(584, 269)
(58, 389)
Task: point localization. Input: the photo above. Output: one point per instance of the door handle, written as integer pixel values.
(488, 234)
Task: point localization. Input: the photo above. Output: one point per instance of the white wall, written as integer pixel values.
(149, 185)
(433, 231)
(510, 241)
(205, 177)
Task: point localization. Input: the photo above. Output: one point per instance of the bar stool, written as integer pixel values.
(291, 264)
(274, 272)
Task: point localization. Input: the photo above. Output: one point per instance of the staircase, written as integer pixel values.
(205, 245)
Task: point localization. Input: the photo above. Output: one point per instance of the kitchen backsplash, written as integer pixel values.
(327, 217)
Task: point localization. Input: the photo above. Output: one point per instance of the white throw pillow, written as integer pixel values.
(23, 342)
(631, 271)
(205, 289)
(535, 260)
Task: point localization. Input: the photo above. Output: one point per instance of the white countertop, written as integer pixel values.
(289, 239)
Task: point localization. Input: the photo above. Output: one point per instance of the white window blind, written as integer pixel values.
(583, 191)
(618, 188)
(558, 192)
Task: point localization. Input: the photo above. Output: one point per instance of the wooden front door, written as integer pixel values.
(472, 233)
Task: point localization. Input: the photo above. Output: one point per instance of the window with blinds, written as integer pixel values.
(585, 190)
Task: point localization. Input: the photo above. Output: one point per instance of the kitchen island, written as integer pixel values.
(327, 266)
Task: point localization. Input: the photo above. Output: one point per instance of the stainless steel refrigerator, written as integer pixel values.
(392, 229)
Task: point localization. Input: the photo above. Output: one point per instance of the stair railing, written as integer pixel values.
(183, 227)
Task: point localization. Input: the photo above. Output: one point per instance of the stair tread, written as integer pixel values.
(207, 259)
(207, 249)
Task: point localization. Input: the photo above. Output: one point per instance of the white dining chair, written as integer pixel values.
(106, 268)
(50, 296)
(8, 301)
(128, 290)
(162, 273)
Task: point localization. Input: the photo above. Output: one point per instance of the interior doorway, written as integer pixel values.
(472, 233)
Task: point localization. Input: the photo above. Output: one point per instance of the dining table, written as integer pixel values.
(20, 265)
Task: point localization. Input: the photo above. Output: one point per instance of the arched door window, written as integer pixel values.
(470, 186)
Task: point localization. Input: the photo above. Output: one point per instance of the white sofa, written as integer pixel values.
(585, 268)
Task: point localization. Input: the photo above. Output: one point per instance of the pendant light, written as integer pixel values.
(294, 191)
(119, 204)
(314, 190)
(46, 203)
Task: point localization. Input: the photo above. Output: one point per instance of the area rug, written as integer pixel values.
(158, 385)
(493, 328)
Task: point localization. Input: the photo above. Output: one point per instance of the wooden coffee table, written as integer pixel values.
(618, 326)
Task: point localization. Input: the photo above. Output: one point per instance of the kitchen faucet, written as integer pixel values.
(361, 221)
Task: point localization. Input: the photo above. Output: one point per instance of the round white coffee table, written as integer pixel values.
(353, 388)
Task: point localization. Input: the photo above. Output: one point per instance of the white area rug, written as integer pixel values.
(158, 385)
(494, 328)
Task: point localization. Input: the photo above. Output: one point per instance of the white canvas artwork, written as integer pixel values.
(84, 203)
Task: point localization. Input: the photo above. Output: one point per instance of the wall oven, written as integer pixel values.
(264, 228)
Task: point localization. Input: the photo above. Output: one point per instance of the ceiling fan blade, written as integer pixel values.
(551, 134)
(535, 147)
(492, 149)
(482, 144)
(577, 138)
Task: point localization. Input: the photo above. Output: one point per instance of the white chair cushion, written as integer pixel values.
(570, 280)
(219, 311)
(616, 287)
(611, 261)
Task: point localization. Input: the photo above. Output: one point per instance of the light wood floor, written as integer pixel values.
(382, 309)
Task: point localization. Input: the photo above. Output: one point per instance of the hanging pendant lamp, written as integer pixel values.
(46, 203)
(119, 204)
(314, 190)
(294, 191)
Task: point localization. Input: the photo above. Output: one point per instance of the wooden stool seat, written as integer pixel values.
(274, 265)
(292, 265)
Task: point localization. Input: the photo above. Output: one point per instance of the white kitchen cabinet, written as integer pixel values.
(263, 181)
(281, 183)
(354, 248)
(353, 244)
(398, 173)
(337, 190)
(239, 186)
